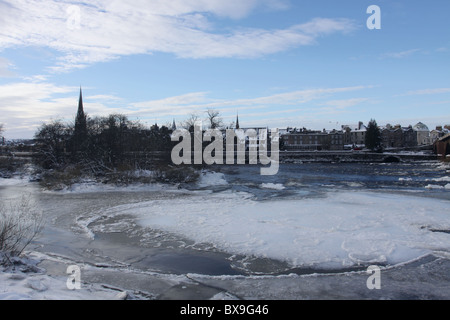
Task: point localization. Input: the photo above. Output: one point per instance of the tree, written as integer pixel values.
(20, 224)
(373, 136)
(189, 124)
(53, 139)
(1, 133)
(111, 142)
(214, 119)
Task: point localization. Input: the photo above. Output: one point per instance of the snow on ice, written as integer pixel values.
(26, 281)
(339, 230)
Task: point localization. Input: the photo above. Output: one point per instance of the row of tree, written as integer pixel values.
(105, 143)
(100, 143)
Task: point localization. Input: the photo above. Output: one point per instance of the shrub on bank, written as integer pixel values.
(10, 165)
(123, 175)
(20, 224)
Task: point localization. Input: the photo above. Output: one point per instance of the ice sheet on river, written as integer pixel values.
(341, 229)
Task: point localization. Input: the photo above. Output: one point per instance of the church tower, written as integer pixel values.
(80, 132)
(80, 114)
(174, 126)
(237, 121)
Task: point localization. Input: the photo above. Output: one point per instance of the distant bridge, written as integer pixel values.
(292, 156)
(353, 156)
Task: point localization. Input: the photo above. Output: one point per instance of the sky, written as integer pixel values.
(318, 64)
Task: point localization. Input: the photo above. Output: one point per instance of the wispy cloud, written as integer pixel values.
(400, 54)
(199, 101)
(346, 103)
(429, 91)
(26, 105)
(111, 29)
(5, 68)
(339, 106)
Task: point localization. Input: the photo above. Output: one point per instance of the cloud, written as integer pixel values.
(106, 30)
(171, 106)
(5, 66)
(24, 106)
(199, 102)
(429, 91)
(340, 105)
(401, 54)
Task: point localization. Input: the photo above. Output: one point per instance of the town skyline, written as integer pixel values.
(276, 63)
(443, 127)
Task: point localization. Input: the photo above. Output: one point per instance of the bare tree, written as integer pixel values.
(190, 122)
(1, 134)
(20, 224)
(214, 119)
(52, 139)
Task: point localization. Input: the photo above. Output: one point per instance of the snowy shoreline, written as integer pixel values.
(25, 280)
(28, 281)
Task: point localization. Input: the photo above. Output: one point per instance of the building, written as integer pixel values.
(309, 140)
(174, 125)
(355, 136)
(422, 133)
(351, 137)
(442, 146)
(438, 133)
(398, 136)
(80, 130)
(251, 135)
(336, 140)
(391, 136)
(409, 137)
(358, 135)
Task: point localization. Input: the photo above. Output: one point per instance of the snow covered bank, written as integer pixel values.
(25, 281)
(92, 187)
(15, 181)
(210, 179)
(441, 179)
(340, 230)
(275, 186)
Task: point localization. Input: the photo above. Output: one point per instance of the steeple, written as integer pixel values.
(237, 121)
(174, 126)
(80, 106)
(80, 132)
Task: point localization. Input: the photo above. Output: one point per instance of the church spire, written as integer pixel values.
(237, 121)
(80, 105)
(174, 126)
(80, 132)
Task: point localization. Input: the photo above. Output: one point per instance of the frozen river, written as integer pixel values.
(309, 232)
